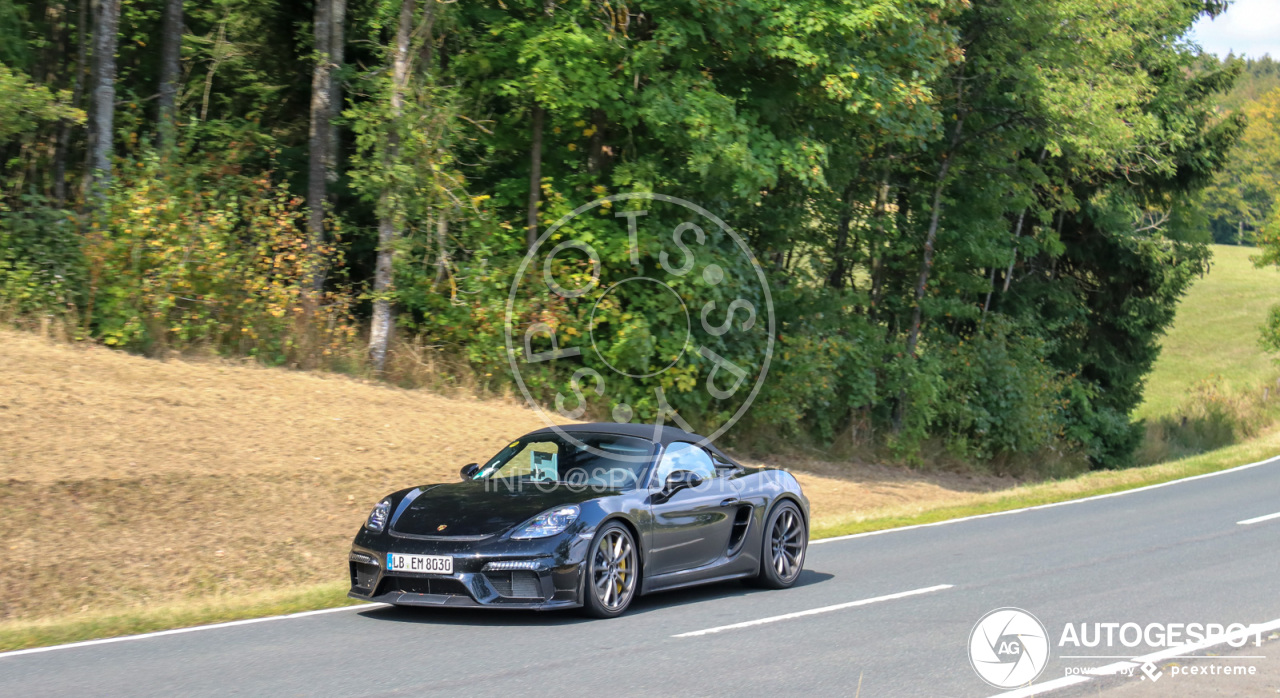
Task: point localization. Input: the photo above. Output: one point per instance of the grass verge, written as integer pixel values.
(93, 625)
(1087, 485)
(76, 627)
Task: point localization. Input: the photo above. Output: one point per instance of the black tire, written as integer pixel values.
(612, 572)
(782, 550)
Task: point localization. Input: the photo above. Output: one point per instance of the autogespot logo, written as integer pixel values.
(636, 304)
(1009, 648)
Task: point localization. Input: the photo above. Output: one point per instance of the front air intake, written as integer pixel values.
(363, 576)
(515, 585)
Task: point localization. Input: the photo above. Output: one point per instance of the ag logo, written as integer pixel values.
(1008, 648)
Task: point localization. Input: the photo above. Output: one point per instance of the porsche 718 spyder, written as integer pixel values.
(589, 516)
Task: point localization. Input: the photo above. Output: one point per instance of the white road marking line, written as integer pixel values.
(1176, 652)
(178, 631)
(1259, 519)
(1189, 656)
(815, 611)
(1190, 647)
(1051, 505)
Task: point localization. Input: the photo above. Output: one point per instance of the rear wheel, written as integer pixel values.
(613, 571)
(785, 542)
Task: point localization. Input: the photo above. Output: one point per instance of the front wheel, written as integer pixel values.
(785, 542)
(613, 571)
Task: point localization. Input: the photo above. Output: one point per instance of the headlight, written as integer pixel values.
(378, 517)
(548, 523)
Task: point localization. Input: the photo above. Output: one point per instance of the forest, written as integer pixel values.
(976, 217)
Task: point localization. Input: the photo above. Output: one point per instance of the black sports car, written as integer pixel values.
(585, 516)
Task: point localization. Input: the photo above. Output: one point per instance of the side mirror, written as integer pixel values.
(469, 470)
(679, 480)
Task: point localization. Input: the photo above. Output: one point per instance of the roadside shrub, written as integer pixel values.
(41, 266)
(183, 258)
(1000, 395)
(1214, 415)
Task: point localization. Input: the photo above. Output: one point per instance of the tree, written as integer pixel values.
(105, 29)
(1243, 195)
(536, 116)
(170, 68)
(337, 50)
(77, 94)
(390, 206)
(321, 129)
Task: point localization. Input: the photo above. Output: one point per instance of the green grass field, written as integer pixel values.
(1216, 332)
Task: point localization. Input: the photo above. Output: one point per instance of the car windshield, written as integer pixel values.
(617, 462)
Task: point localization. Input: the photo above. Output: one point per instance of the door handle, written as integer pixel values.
(729, 502)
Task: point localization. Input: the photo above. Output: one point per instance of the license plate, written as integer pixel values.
(429, 564)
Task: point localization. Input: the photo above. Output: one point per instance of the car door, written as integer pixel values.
(691, 528)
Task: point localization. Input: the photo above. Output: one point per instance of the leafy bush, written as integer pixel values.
(823, 371)
(1214, 415)
(41, 268)
(1000, 395)
(180, 259)
(24, 104)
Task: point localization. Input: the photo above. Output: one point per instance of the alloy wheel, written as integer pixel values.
(613, 569)
(786, 544)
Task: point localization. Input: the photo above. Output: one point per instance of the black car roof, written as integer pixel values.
(664, 435)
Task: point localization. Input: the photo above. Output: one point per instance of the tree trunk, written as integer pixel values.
(318, 136)
(426, 52)
(77, 93)
(337, 46)
(442, 247)
(105, 27)
(535, 176)
(1017, 233)
(926, 263)
(55, 17)
(991, 283)
(170, 57)
(835, 279)
(878, 250)
(219, 46)
(389, 220)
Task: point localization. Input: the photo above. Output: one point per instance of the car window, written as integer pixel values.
(536, 460)
(683, 456)
(611, 461)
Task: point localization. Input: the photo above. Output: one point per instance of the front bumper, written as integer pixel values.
(554, 582)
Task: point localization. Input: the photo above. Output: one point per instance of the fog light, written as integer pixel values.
(507, 565)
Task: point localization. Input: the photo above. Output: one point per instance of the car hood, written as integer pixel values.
(470, 509)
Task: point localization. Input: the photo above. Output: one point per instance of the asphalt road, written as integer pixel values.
(1168, 554)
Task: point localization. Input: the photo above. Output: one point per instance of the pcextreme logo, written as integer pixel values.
(1008, 647)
